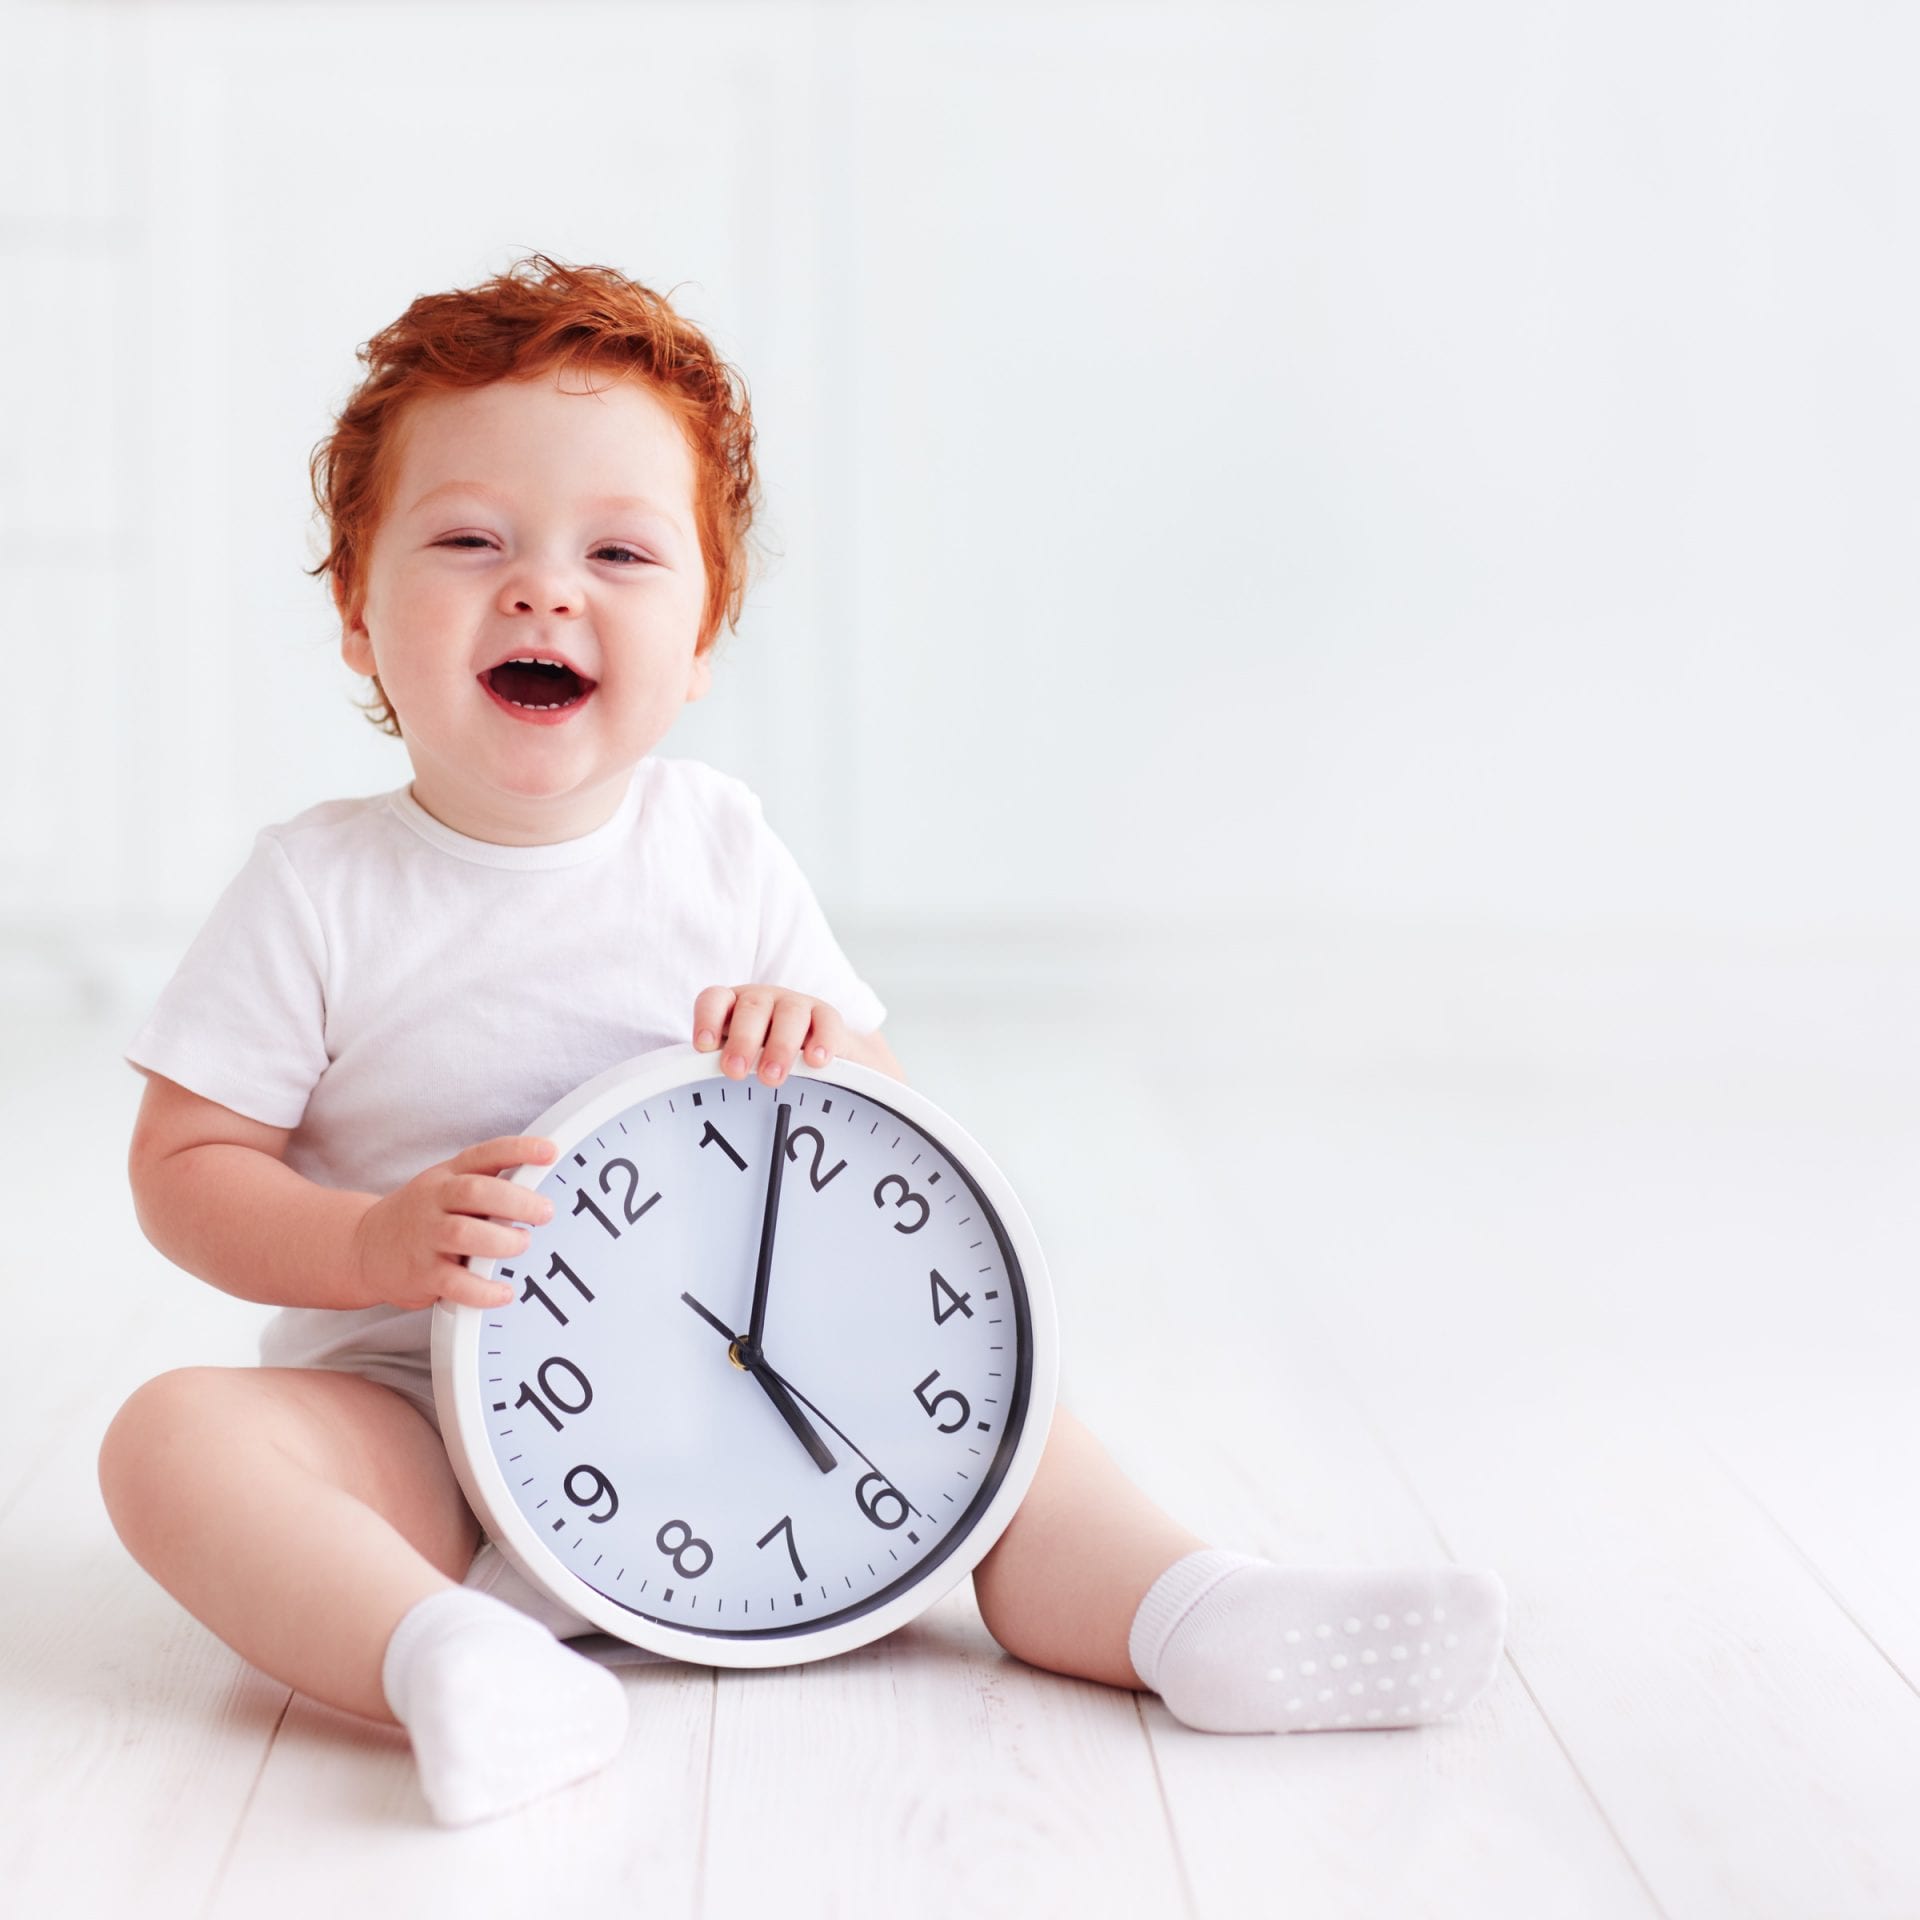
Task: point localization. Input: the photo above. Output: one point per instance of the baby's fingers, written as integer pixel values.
(465, 1288)
(828, 1036)
(792, 1014)
(486, 1195)
(510, 1150)
(746, 1029)
(476, 1239)
(710, 1010)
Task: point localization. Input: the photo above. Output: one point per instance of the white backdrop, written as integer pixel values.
(1398, 519)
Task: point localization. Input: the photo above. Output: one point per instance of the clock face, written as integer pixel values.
(617, 1395)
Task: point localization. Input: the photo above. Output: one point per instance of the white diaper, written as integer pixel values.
(492, 1572)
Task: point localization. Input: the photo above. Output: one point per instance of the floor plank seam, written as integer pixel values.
(1392, 1458)
(1389, 1452)
(1586, 1787)
(1187, 1895)
(1805, 1559)
(246, 1807)
(706, 1795)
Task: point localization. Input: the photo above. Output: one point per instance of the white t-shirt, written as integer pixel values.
(395, 991)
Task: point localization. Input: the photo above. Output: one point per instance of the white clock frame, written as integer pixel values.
(457, 1392)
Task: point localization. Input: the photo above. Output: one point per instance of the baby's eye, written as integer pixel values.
(480, 540)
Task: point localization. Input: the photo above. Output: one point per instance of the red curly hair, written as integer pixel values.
(537, 316)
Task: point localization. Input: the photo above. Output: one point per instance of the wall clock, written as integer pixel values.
(777, 1372)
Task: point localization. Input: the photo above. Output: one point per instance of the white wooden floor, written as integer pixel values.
(1643, 1343)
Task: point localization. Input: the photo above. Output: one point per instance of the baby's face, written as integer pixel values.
(534, 517)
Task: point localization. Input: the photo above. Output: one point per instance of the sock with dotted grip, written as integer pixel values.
(1235, 1644)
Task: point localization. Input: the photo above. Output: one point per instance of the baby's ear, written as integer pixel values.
(700, 676)
(356, 649)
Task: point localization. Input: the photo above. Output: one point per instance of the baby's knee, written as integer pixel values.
(986, 1598)
(140, 1434)
(999, 1605)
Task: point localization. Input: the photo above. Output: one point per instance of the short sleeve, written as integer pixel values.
(243, 1020)
(795, 946)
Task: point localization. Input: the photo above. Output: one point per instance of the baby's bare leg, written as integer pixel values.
(1059, 1589)
(1236, 1644)
(299, 1514)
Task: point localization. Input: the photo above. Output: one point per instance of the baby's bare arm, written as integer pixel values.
(248, 1224)
(213, 1192)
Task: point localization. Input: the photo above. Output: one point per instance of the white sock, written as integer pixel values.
(499, 1712)
(1235, 1644)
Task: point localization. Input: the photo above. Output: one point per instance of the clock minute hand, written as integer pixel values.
(783, 1114)
(749, 1352)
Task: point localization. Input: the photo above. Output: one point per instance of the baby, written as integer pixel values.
(539, 498)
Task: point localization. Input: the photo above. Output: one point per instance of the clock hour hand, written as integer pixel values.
(769, 1379)
(775, 1391)
(794, 1418)
(824, 1421)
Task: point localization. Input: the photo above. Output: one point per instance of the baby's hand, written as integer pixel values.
(411, 1244)
(745, 1017)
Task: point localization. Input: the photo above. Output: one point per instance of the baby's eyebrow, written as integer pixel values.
(605, 502)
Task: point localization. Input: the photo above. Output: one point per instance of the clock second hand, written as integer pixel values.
(720, 1326)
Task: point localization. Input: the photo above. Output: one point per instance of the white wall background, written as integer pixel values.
(1390, 522)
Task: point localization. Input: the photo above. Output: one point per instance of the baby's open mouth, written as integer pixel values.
(537, 684)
